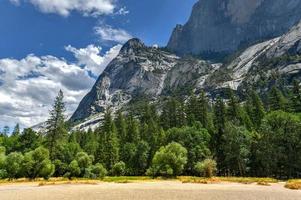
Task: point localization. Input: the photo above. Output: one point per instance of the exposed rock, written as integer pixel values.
(223, 26)
(138, 71)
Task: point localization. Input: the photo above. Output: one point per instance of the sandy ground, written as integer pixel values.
(166, 190)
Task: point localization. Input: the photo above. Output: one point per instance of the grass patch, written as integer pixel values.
(200, 180)
(259, 181)
(67, 182)
(263, 183)
(293, 184)
(248, 180)
(126, 179)
(132, 179)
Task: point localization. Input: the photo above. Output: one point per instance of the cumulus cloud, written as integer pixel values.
(108, 33)
(65, 7)
(91, 58)
(29, 85)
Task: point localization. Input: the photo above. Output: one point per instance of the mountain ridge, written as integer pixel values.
(222, 26)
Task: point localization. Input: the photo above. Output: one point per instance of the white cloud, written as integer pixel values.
(123, 11)
(29, 86)
(108, 33)
(64, 7)
(92, 60)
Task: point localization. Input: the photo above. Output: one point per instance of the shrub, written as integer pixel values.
(37, 164)
(99, 171)
(119, 169)
(168, 161)
(73, 170)
(206, 168)
(13, 165)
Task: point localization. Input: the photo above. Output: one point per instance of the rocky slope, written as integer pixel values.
(263, 64)
(220, 27)
(147, 72)
(139, 72)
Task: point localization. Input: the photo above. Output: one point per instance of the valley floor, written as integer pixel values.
(157, 190)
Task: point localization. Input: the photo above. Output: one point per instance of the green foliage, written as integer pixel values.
(173, 114)
(56, 131)
(37, 164)
(206, 168)
(119, 169)
(73, 170)
(13, 165)
(195, 140)
(276, 100)
(296, 97)
(99, 171)
(279, 148)
(255, 109)
(169, 139)
(29, 140)
(169, 161)
(236, 150)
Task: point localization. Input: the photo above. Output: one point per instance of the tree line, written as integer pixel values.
(193, 136)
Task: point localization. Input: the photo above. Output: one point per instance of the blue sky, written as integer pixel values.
(24, 29)
(48, 45)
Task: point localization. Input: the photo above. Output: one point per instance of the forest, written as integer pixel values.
(257, 137)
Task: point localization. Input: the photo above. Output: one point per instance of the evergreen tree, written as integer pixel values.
(233, 111)
(173, 114)
(121, 127)
(296, 97)
(56, 131)
(133, 135)
(276, 100)
(255, 109)
(193, 110)
(109, 144)
(16, 131)
(203, 115)
(220, 123)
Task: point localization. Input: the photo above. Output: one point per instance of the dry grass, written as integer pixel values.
(88, 182)
(190, 179)
(293, 184)
(133, 179)
(259, 181)
(263, 183)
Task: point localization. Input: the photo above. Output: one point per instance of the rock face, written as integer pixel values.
(138, 71)
(223, 26)
(263, 64)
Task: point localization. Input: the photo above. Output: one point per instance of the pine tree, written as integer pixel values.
(16, 131)
(296, 97)
(233, 111)
(255, 109)
(203, 115)
(192, 110)
(108, 150)
(121, 127)
(276, 100)
(56, 131)
(220, 124)
(173, 114)
(133, 134)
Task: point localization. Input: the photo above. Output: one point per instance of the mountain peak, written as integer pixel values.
(133, 43)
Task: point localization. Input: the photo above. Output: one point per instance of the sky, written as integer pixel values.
(48, 45)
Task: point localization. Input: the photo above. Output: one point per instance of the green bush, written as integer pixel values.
(206, 168)
(99, 171)
(13, 165)
(119, 169)
(73, 170)
(37, 164)
(168, 161)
